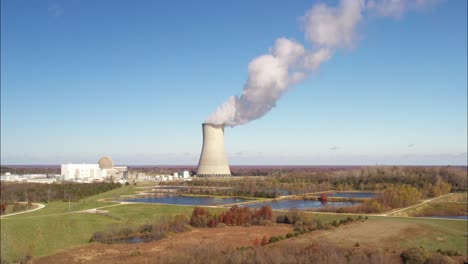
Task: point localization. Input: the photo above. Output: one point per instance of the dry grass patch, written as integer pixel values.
(220, 238)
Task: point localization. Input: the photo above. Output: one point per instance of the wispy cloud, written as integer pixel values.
(334, 148)
(56, 10)
(396, 8)
(410, 145)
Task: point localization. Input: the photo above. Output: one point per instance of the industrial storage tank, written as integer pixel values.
(213, 161)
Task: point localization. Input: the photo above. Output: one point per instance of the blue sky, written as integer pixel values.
(135, 80)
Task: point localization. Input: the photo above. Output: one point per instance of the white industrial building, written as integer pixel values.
(104, 170)
(74, 172)
(36, 178)
(181, 175)
(185, 174)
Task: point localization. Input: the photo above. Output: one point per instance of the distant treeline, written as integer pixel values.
(280, 170)
(429, 181)
(52, 169)
(232, 192)
(37, 192)
(394, 196)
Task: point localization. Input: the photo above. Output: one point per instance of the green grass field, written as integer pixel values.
(59, 207)
(440, 233)
(43, 235)
(9, 209)
(57, 228)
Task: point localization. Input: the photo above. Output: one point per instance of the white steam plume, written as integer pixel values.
(288, 62)
(333, 26)
(270, 75)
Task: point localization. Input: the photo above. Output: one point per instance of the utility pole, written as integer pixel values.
(68, 202)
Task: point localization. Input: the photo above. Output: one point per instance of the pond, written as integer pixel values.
(300, 204)
(461, 217)
(188, 200)
(170, 187)
(137, 240)
(353, 194)
(276, 205)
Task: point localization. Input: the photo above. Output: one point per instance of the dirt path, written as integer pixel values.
(96, 210)
(91, 210)
(39, 207)
(412, 206)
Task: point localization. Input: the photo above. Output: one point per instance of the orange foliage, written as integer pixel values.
(236, 216)
(257, 242)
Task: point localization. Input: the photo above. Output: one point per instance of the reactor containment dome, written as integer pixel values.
(213, 162)
(106, 163)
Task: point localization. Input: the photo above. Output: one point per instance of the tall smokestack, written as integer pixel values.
(213, 160)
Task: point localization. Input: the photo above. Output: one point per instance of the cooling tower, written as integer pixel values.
(213, 160)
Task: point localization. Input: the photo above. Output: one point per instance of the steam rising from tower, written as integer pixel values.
(213, 160)
(289, 62)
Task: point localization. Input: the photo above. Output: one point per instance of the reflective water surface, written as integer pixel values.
(188, 200)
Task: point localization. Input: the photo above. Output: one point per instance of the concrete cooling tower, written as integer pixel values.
(213, 160)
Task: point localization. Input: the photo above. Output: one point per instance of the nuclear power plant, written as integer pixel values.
(103, 170)
(213, 160)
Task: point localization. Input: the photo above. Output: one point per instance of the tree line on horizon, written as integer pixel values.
(430, 181)
(39, 192)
